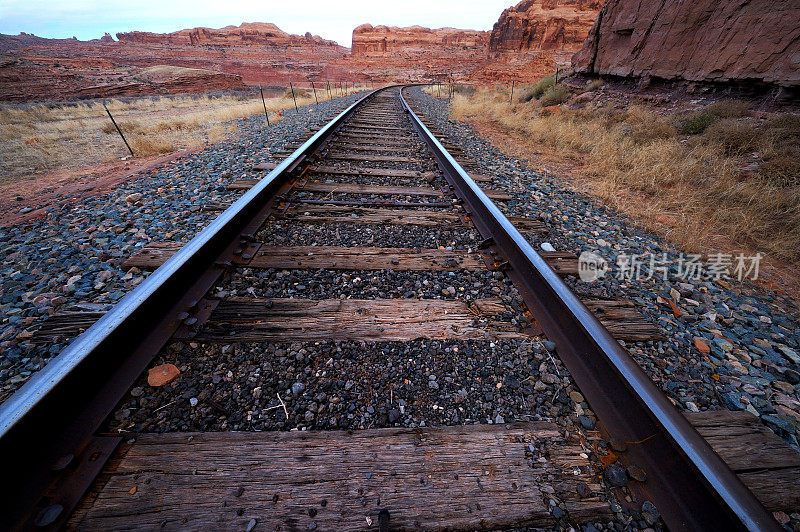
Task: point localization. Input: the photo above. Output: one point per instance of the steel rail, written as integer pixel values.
(689, 483)
(48, 424)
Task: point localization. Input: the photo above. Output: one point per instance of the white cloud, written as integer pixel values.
(89, 19)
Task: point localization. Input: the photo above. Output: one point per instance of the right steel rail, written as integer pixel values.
(689, 483)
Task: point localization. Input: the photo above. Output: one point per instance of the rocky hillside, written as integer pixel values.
(385, 39)
(531, 38)
(249, 33)
(390, 54)
(33, 68)
(544, 25)
(703, 40)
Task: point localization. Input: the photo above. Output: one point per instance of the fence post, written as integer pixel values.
(118, 129)
(556, 83)
(511, 99)
(296, 110)
(315, 93)
(266, 115)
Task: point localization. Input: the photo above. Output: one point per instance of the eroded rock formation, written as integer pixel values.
(702, 40)
(389, 39)
(43, 78)
(249, 33)
(530, 39)
(36, 68)
(412, 54)
(544, 25)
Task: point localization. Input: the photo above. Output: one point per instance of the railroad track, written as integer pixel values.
(360, 276)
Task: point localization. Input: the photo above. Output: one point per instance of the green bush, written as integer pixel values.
(697, 123)
(555, 95)
(542, 86)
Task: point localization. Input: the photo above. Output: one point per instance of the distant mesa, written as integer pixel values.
(725, 41)
(386, 39)
(247, 33)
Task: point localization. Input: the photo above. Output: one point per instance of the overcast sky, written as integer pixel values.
(332, 19)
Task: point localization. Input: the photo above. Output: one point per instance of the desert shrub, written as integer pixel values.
(150, 145)
(735, 137)
(658, 129)
(697, 123)
(594, 85)
(464, 90)
(782, 169)
(298, 93)
(542, 86)
(555, 95)
(784, 127)
(728, 108)
(525, 95)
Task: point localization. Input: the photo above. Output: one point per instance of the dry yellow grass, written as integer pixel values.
(737, 185)
(39, 138)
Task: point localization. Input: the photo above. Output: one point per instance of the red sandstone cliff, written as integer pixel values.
(531, 38)
(544, 25)
(701, 40)
(34, 68)
(412, 54)
(249, 33)
(386, 39)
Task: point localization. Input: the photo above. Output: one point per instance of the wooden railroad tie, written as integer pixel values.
(348, 258)
(354, 188)
(368, 320)
(461, 478)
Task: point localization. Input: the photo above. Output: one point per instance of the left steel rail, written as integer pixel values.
(49, 453)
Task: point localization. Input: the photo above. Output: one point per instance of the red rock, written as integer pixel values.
(385, 39)
(544, 25)
(391, 54)
(701, 346)
(531, 38)
(676, 311)
(161, 375)
(703, 40)
(249, 33)
(33, 68)
(550, 110)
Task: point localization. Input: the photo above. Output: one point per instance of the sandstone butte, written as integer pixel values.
(531, 38)
(384, 54)
(726, 41)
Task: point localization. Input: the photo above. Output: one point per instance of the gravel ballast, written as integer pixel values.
(70, 260)
(752, 332)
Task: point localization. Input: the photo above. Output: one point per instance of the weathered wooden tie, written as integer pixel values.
(474, 477)
(357, 188)
(343, 258)
(368, 320)
(349, 156)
